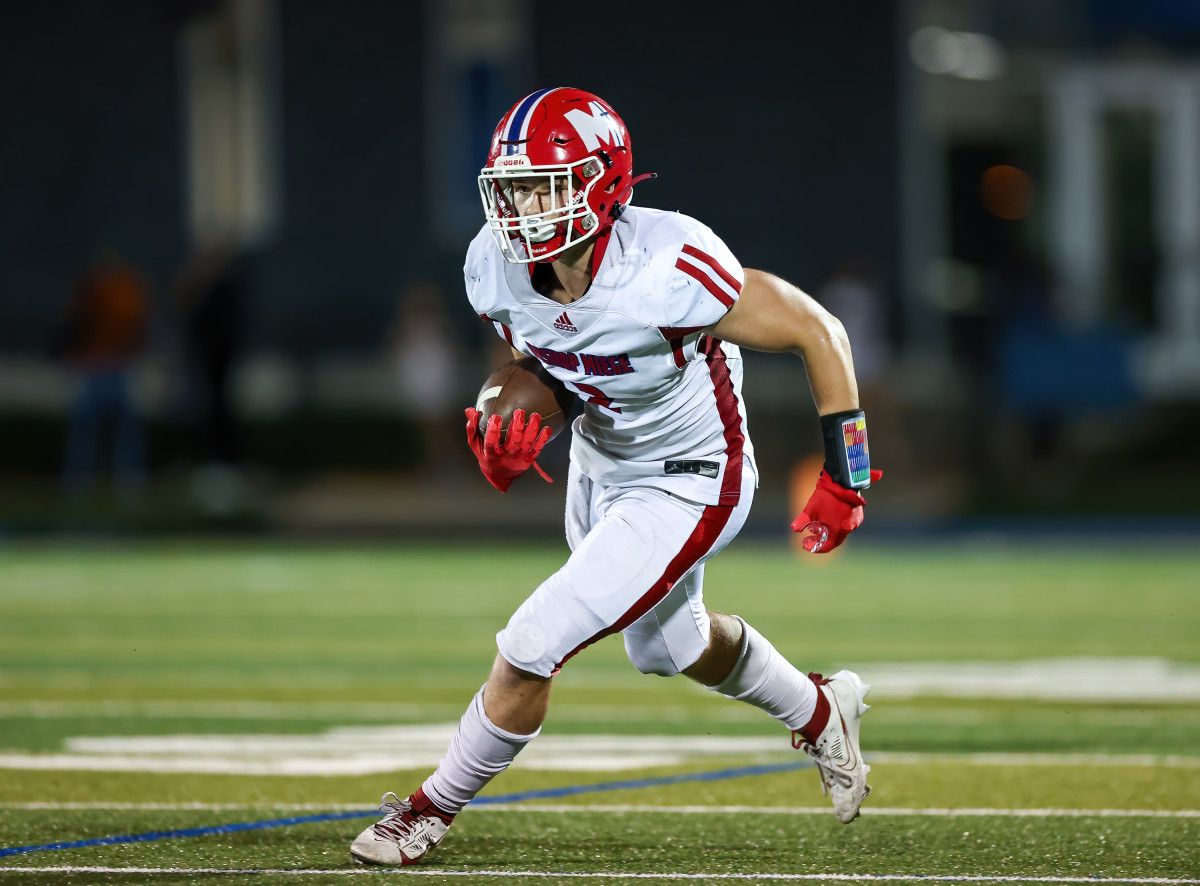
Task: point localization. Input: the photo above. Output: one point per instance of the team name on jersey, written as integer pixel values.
(591, 364)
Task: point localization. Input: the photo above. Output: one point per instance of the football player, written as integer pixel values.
(641, 313)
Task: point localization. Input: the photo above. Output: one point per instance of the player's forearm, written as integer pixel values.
(820, 339)
(830, 366)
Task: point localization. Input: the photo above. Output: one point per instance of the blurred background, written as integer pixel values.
(232, 234)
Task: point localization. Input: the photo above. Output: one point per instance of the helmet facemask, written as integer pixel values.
(509, 189)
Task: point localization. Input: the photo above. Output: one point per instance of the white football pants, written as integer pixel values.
(636, 566)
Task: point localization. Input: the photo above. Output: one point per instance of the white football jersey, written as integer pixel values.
(662, 401)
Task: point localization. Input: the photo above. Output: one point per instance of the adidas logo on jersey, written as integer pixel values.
(564, 323)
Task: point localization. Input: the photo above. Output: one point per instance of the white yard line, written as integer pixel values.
(1174, 761)
(589, 875)
(365, 750)
(222, 710)
(1098, 678)
(866, 811)
(1078, 679)
(623, 809)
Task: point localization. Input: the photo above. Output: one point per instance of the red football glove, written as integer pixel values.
(832, 513)
(503, 462)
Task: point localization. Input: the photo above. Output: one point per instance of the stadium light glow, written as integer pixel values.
(964, 54)
(1007, 192)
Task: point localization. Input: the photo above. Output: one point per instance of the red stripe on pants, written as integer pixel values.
(699, 543)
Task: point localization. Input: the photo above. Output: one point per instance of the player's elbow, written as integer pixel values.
(836, 333)
(823, 333)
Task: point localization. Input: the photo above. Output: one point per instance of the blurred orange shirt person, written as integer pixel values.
(108, 317)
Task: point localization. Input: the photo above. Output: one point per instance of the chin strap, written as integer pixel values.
(643, 177)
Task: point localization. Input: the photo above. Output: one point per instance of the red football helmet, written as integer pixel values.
(569, 142)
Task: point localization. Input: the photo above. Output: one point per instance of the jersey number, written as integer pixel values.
(595, 395)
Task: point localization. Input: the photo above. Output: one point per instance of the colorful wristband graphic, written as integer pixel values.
(847, 457)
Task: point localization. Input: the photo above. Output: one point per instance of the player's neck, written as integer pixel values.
(572, 273)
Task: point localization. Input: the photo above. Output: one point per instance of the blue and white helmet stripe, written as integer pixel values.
(518, 123)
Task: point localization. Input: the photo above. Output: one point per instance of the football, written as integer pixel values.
(525, 384)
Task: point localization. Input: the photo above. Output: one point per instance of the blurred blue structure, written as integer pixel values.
(1046, 368)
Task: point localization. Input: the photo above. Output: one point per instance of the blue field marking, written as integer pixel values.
(152, 836)
(634, 784)
(544, 794)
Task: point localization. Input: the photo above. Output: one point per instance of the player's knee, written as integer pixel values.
(525, 648)
(650, 655)
(505, 673)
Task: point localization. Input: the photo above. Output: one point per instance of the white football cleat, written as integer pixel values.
(409, 829)
(836, 752)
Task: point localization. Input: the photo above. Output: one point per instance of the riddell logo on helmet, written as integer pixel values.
(512, 160)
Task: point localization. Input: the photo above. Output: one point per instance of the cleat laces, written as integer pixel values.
(827, 773)
(393, 825)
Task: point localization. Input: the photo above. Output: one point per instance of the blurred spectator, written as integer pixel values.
(852, 294)
(210, 294)
(425, 354)
(103, 332)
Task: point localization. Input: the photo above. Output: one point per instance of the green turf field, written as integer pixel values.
(158, 688)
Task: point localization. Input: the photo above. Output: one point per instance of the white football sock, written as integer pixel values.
(479, 751)
(764, 678)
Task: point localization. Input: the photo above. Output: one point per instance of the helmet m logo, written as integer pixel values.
(595, 127)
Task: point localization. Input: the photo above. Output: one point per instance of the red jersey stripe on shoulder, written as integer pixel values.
(715, 265)
(716, 291)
